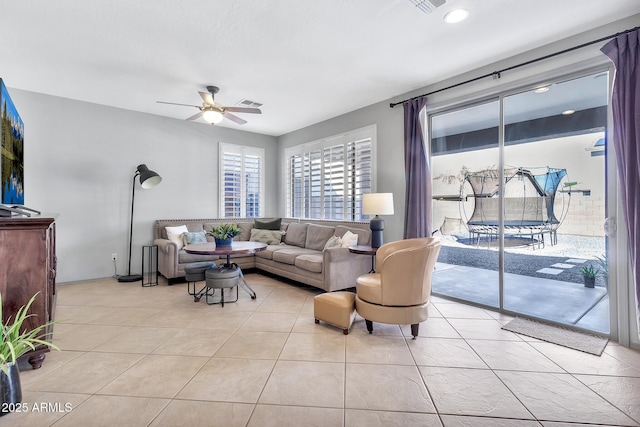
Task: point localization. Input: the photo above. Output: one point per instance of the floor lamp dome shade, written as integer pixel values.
(377, 204)
(148, 179)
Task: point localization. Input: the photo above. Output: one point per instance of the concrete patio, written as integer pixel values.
(557, 301)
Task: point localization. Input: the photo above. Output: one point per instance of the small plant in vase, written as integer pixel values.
(589, 273)
(224, 234)
(14, 343)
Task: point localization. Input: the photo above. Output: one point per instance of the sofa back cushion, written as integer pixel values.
(245, 231)
(296, 234)
(317, 236)
(364, 236)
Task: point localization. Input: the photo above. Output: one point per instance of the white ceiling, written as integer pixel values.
(305, 60)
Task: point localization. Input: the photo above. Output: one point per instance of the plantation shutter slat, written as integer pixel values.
(326, 179)
(241, 177)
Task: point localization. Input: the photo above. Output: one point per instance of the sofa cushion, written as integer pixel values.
(310, 262)
(296, 234)
(273, 224)
(289, 255)
(270, 237)
(364, 236)
(245, 231)
(268, 252)
(192, 237)
(175, 234)
(317, 236)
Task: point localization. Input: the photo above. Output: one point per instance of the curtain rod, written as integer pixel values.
(496, 74)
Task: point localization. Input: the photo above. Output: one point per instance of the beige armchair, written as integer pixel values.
(399, 290)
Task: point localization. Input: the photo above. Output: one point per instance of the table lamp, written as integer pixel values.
(377, 204)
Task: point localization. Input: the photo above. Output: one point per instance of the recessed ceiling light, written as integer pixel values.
(456, 15)
(568, 112)
(542, 89)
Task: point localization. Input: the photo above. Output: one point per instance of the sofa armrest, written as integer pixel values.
(342, 268)
(167, 258)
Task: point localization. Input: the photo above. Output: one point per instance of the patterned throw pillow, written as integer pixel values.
(349, 239)
(194, 237)
(333, 242)
(270, 237)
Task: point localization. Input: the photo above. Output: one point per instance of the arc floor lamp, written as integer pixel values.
(148, 179)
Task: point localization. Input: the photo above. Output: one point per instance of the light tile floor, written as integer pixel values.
(134, 356)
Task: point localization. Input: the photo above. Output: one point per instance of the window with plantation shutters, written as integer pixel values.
(241, 181)
(326, 179)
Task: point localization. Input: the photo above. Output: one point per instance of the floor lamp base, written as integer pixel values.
(130, 278)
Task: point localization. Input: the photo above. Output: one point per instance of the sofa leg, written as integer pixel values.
(317, 321)
(345, 331)
(369, 325)
(414, 330)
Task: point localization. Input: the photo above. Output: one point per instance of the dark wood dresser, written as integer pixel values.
(27, 267)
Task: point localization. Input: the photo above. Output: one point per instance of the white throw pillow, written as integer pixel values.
(175, 234)
(333, 242)
(349, 239)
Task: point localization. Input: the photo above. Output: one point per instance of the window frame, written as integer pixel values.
(322, 150)
(244, 152)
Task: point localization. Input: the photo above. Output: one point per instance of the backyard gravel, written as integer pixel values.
(522, 258)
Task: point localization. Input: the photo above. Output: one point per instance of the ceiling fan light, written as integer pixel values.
(456, 15)
(212, 116)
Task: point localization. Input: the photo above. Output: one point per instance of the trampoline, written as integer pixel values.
(529, 203)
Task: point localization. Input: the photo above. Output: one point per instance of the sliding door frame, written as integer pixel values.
(621, 295)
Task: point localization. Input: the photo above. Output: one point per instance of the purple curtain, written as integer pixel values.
(417, 216)
(624, 52)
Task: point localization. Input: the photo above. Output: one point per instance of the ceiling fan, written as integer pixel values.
(213, 112)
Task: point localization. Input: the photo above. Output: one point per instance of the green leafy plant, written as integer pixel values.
(224, 231)
(15, 342)
(590, 271)
(604, 264)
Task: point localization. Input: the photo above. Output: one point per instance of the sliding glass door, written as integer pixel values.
(530, 168)
(465, 142)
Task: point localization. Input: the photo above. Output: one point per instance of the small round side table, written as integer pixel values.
(366, 250)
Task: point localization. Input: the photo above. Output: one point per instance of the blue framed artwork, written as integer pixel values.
(12, 156)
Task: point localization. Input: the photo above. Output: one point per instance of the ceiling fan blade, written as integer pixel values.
(207, 98)
(243, 110)
(195, 116)
(233, 118)
(175, 103)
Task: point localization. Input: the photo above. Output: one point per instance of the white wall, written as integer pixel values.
(80, 159)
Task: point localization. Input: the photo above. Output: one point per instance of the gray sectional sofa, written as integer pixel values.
(300, 256)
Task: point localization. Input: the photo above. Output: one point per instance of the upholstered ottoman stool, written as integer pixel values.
(193, 273)
(335, 308)
(221, 278)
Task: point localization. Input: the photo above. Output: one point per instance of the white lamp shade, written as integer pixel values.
(377, 204)
(212, 116)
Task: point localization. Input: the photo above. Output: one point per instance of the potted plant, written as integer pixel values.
(224, 234)
(589, 273)
(14, 343)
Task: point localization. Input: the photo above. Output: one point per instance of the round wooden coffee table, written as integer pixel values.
(210, 248)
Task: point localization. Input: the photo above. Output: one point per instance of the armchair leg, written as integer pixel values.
(414, 330)
(369, 325)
